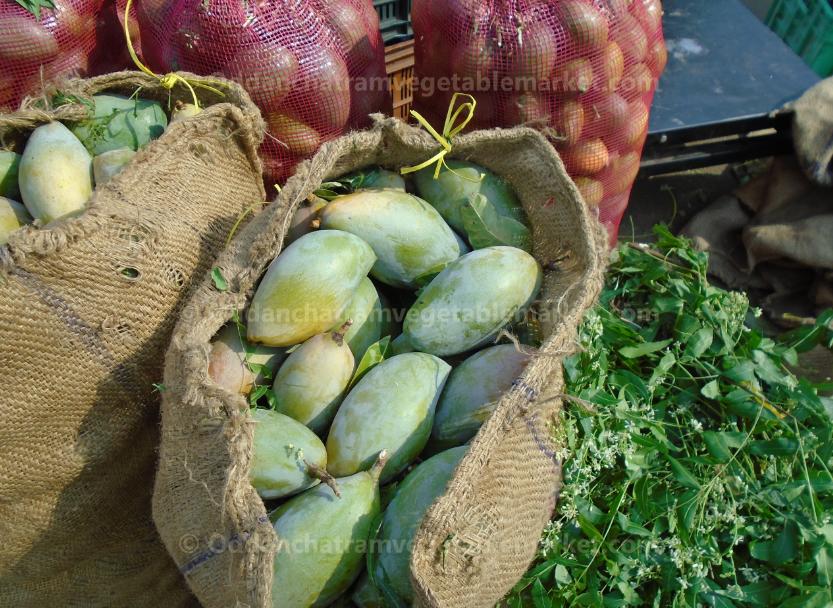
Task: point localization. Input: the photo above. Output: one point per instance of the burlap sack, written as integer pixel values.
(480, 537)
(86, 312)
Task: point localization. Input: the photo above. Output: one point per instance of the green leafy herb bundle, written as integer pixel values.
(697, 467)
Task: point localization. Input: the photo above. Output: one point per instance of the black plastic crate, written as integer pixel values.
(394, 19)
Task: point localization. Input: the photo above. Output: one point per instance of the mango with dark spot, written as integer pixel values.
(472, 299)
(282, 453)
(391, 408)
(407, 234)
(307, 288)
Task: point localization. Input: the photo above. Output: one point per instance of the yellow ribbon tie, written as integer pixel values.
(449, 131)
(169, 80)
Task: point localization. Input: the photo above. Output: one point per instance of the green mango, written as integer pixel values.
(417, 492)
(472, 299)
(457, 183)
(120, 122)
(382, 179)
(323, 540)
(238, 366)
(365, 595)
(472, 392)
(287, 457)
(407, 235)
(312, 381)
(391, 408)
(400, 345)
(366, 318)
(9, 164)
(55, 173)
(307, 288)
(13, 215)
(109, 164)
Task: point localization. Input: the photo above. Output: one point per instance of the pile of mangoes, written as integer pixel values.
(382, 322)
(60, 165)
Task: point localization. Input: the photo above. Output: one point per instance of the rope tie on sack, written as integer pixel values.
(169, 80)
(450, 130)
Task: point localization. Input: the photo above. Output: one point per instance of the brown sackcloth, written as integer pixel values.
(481, 536)
(86, 311)
(813, 132)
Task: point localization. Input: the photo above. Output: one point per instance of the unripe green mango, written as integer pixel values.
(400, 345)
(13, 215)
(365, 595)
(119, 122)
(391, 408)
(366, 318)
(307, 288)
(237, 365)
(311, 383)
(285, 456)
(109, 164)
(9, 164)
(417, 492)
(407, 235)
(472, 299)
(472, 392)
(55, 174)
(452, 190)
(382, 179)
(322, 540)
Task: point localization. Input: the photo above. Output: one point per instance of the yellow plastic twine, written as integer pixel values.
(449, 131)
(169, 80)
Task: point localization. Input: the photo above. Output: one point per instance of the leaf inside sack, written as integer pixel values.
(485, 227)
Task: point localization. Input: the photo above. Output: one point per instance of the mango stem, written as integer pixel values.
(316, 472)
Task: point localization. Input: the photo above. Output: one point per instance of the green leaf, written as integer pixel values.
(219, 280)
(634, 352)
(372, 357)
(711, 390)
(783, 549)
(683, 476)
(539, 595)
(717, 445)
(699, 343)
(774, 447)
(34, 6)
(257, 393)
(824, 565)
(486, 228)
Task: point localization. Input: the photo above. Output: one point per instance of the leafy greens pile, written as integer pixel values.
(697, 467)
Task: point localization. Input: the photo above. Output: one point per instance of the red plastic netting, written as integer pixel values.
(314, 67)
(36, 50)
(582, 71)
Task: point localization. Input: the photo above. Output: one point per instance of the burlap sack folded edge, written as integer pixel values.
(235, 103)
(196, 410)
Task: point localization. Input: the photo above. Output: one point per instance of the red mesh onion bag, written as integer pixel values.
(582, 71)
(39, 49)
(111, 54)
(315, 68)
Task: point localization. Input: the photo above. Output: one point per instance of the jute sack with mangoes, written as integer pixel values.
(358, 335)
(117, 192)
